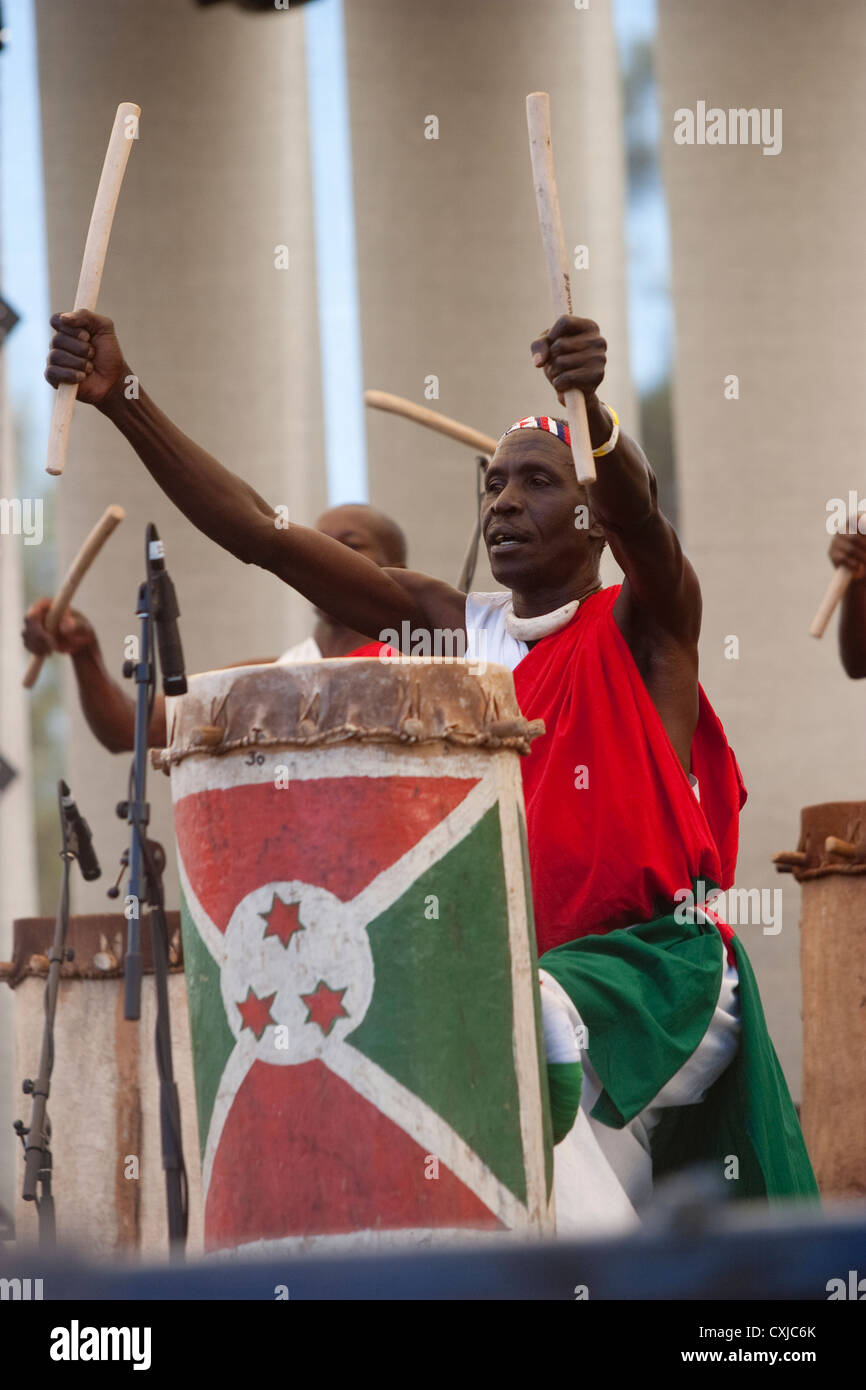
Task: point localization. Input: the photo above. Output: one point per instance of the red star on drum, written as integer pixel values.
(325, 1006)
(256, 1013)
(283, 920)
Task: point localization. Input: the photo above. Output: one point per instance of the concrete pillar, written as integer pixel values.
(17, 855)
(768, 285)
(225, 341)
(451, 272)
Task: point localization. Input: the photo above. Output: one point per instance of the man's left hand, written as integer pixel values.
(573, 355)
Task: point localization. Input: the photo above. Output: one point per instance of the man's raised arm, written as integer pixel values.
(659, 580)
(348, 586)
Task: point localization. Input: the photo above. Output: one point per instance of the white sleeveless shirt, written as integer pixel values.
(308, 650)
(486, 637)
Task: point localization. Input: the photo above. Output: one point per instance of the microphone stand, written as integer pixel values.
(146, 861)
(136, 810)
(470, 559)
(37, 1138)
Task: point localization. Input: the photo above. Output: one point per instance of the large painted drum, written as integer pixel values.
(357, 924)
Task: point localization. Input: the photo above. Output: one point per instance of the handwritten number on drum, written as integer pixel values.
(254, 758)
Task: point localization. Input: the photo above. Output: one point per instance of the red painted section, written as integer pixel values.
(335, 832)
(303, 1153)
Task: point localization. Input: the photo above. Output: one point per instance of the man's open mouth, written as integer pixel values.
(502, 540)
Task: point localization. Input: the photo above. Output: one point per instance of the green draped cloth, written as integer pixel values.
(564, 1085)
(646, 994)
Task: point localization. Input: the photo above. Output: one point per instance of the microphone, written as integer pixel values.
(166, 614)
(80, 835)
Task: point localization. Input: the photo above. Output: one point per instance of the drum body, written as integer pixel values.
(833, 968)
(107, 1177)
(360, 953)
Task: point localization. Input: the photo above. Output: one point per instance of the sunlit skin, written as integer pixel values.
(658, 609)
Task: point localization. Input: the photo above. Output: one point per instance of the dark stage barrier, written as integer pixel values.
(786, 1254)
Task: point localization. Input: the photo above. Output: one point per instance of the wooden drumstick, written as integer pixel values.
(832, 598)
(111, 517)
(92, 265)
(550, 221)
(791, 858)
(844, 848)
(398, 405)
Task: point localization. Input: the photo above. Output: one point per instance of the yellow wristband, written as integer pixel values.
(609, 447)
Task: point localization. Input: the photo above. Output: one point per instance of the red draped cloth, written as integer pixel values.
(616, 851)
(373, 649)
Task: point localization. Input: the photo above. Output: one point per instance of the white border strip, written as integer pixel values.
(207, 772)
(525, 1037)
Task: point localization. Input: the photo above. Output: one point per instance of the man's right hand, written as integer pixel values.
(73, 635)
(85, 351)
(850, 551)
(108, 709)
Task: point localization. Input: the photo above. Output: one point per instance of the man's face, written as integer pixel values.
(528, 511)
(352, 526)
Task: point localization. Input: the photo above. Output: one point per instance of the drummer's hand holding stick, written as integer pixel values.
(85, 350)
(573, 356)
(350, 587)
(107, 707)
(848, 554)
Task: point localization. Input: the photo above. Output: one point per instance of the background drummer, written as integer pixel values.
(110, 710)
(850, 550)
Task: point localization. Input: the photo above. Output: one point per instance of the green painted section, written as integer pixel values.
(546, 1116)
(212, 1040)
(441, 1018)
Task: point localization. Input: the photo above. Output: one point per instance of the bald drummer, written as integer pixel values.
(110, 710)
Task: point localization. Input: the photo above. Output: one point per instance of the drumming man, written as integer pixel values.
(110, 710)
(850, 550)
(632, 794)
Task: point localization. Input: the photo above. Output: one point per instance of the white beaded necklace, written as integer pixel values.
(532, 629)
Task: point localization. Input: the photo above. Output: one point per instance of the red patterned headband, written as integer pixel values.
(542, 422)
